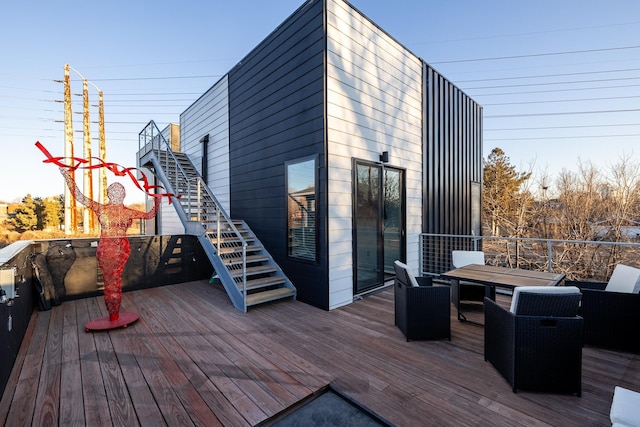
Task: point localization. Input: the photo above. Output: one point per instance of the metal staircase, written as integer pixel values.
(247, 271)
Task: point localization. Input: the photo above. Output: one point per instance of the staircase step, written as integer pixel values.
(270, 295)
(238, 249)
(252, 271)
(249, 258)
(230, 239)
(265, 281)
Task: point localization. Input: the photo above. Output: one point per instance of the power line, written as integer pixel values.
(546, 138)
(550, 75)
(502, 116)
(117, 101)
(555, 83)
(499, 36)
(156, 78)
(535, 55)
(556, 90)
(125, 113)
(154, 94)
(552, 101)
(560, 127)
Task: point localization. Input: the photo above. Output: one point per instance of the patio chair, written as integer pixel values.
(468, 292)
(611, 310)
(537, 343)
(422, 311)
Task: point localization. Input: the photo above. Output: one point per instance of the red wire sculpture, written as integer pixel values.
(114, 218)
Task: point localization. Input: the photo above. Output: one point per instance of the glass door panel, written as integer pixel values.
(393, 225)
(379, 223)
(367, 226)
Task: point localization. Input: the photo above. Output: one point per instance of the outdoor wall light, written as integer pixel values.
(384, 157)
(3, 296)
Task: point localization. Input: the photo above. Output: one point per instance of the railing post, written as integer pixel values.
(421, 257)
(244, 274)
(218, 230)
(199, 201)
(549, 255)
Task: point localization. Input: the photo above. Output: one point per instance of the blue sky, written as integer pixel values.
(559, 81)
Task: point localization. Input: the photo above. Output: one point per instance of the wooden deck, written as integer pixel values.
(192, 359)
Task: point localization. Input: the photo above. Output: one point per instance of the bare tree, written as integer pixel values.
(580, 203)
(595, 206)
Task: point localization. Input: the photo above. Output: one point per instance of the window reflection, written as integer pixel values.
(301, 191)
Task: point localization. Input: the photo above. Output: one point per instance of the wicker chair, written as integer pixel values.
(537, 344)
(422, 311)
(612, 313)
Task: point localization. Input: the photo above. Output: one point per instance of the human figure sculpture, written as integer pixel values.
(113, 247)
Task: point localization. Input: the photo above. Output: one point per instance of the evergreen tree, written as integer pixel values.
(49, 217)
(25, 217)
(39, 209)
(504, 202)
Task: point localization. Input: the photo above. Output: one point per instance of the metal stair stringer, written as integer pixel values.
(247, 271)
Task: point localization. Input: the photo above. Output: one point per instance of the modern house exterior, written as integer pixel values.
(338, 146)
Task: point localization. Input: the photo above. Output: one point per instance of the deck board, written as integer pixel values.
(48, 396)
(192, 359)
(71, 413)
(23, 404)
(96, 406)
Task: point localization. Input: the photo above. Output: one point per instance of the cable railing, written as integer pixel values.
(200, 205)
(578, 259)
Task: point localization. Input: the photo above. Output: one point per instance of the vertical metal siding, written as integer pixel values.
(453, 155)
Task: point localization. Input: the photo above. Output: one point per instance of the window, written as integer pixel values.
(476, 206)
(301, 209)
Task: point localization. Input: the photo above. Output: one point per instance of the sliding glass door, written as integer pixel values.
(378, 223)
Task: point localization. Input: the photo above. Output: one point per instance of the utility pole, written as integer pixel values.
(103, 149)
(87, 218)
(70, 219)
(70, 209)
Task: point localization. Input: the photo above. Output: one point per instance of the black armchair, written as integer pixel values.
(611, 318)
(537, 345)
(422, 311)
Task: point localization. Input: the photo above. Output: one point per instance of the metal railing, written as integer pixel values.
(218, 226)
(578, 259)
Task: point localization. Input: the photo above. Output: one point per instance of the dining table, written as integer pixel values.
(493, 277)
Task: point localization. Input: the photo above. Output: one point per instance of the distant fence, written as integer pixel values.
(578, 259)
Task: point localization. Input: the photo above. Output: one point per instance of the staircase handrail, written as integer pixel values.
(148, 132)
(142, 150)
(201, 185)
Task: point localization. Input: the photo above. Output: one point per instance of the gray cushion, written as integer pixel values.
(624, 279)
(540, 289)
(410, 276)
(624, 407)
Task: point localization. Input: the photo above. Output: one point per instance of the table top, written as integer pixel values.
(503, 276)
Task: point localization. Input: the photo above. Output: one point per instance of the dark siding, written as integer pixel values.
(21, 312)
(452, 158)
(276, 114)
